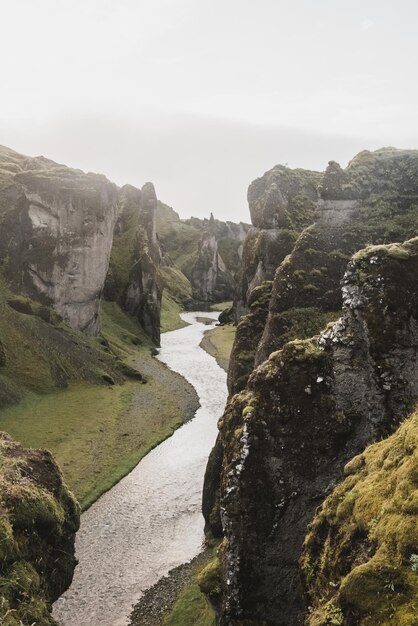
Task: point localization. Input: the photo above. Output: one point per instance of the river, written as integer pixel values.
(151, 520)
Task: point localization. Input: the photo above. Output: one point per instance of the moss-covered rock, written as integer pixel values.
(133, 279)
(37, 531)
(361, 551)
(372, 201)
(305, 412)
(56, 235)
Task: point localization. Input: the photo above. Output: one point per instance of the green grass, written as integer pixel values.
(221, 306)
(218, 342)
(190, 609)
(98, 433)
(170, 314)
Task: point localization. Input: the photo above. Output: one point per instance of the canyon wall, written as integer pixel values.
(306, 406)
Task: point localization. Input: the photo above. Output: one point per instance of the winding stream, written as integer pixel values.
(151, 520)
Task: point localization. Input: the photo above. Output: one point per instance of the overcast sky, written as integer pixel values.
(203, 96)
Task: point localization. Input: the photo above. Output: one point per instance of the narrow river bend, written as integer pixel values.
(151, 520)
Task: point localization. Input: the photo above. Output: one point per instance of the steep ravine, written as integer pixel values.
(150, 521)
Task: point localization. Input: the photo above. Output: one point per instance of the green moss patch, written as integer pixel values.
(39, 518)
(362, 546)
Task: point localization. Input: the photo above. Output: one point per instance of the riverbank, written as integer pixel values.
(98, 433)
(150, 522)
(218, 342)
(176, 600)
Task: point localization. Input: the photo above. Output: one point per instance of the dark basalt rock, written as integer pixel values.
(305, 412)
(282, 203)
(372, 201)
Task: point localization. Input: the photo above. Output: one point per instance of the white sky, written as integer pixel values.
(203, 96)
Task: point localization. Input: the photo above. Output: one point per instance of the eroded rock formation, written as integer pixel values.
(312, 404)
(56, 235)
(133, 279)
(306, 411)
(214, 271)
(37, 530)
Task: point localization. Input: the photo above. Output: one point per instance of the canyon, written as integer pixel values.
(310, 497)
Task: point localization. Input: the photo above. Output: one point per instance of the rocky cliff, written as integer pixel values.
(133, 279)
(312, 404)
(37, 529)
(360, 559)
(208, 252)
(372, 201)
(282, 203)
(56, 235)
(214, 271)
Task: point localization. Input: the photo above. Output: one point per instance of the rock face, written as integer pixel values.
(213, 274)
(306, 411)
(133, 279)
(38, 524)
(201, 258)
(56, 235)
(312, 404)
(282, 203)
(373, 201)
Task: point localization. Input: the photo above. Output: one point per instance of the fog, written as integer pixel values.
(201, 98)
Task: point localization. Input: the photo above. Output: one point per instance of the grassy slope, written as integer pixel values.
(190, 609)
(98, 433)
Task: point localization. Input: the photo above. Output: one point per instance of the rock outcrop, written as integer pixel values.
(372, 201)
(56, 235)
(312, 404)
(37, 530)
(133, 277)
(282, 203)
(305, 413)
(214, 271)
(360, 557)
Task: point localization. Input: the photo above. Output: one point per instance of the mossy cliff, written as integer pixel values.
(37, 531)
(56, 228)
(214, 271)
(133, 278)
(201, 257)
(360, 557)
(373, 201)
(305, 412)
(307, 225)
(282, 203)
